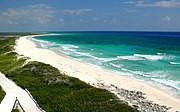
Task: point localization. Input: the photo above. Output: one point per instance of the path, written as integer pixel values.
(13, 91)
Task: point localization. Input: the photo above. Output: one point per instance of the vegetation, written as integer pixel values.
(15, 110)
(14, 34)
(55, 91)
(2, 94)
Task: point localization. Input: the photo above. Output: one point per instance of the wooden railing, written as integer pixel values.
(34, 100)
(17, 102)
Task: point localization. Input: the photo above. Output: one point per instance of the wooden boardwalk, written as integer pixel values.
(13, 91)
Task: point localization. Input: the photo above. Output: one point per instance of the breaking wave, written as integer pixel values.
(169, 83)
(174, 63)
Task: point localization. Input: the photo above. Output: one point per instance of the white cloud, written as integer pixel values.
(33, 14)
(77, 11)
(167, 19)
(161, 3)
(95, 18)
(40, 6)
(133, 2)
(84, 20)
(12, 23)
(131, 11)
(104, 21)
(113, 21)
(61, 20)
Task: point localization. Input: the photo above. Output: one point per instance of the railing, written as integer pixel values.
(34, 100)
(17, 101)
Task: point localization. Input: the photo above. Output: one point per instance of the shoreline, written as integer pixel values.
(93, 75)
(151, 83)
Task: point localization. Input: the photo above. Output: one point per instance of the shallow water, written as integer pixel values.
(151, 56)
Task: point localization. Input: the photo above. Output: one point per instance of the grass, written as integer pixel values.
(2, 94)
(55, 91)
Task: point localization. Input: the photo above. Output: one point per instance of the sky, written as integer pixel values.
(89, 15)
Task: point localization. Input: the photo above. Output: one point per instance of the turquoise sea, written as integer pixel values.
(150, 56)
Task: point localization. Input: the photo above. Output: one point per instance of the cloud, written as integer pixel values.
(12, 23)
(77, 11)
(40, 6)
(95, 18)
(113, 21)
(161, 3)
(104, 21)
(61, 20)
(33, 14)
(167, 19)
(130, 10)
(133, 2)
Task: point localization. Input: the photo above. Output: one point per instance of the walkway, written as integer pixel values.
(13, 91)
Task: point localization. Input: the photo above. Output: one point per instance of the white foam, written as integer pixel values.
(68, 47)
(42, 43)
(55, 34)
(117, 66)
(170, 83)
(73, 46)
(150, 57)
(122, 73)
(129, 58)
(161, 53)
(174, 63)
(83, 54)
(159, 56)
(96, 58)
(155, 74)
(65, 52)
(101, 53)
(133, 72)
(47, 34)
(124, 69)
(45, 44)
(157, 77)
(104, 59)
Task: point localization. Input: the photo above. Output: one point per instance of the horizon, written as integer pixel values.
(89, 31)
(117, 15)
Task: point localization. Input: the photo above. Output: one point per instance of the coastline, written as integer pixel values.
(93, 75)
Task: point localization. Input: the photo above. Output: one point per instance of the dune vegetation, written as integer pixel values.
(53, 90)
(2, 94)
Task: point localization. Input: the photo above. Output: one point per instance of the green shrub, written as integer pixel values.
(2, 94)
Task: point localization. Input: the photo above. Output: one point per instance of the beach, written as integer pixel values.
(94, 75)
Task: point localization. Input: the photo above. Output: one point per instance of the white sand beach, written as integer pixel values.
(92, 74)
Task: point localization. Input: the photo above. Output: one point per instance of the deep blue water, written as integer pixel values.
(151, 56)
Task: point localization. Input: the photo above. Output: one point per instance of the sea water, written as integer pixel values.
(150, 56)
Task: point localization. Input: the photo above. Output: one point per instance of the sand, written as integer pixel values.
(93, 74)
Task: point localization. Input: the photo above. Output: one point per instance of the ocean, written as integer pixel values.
(150, 56)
